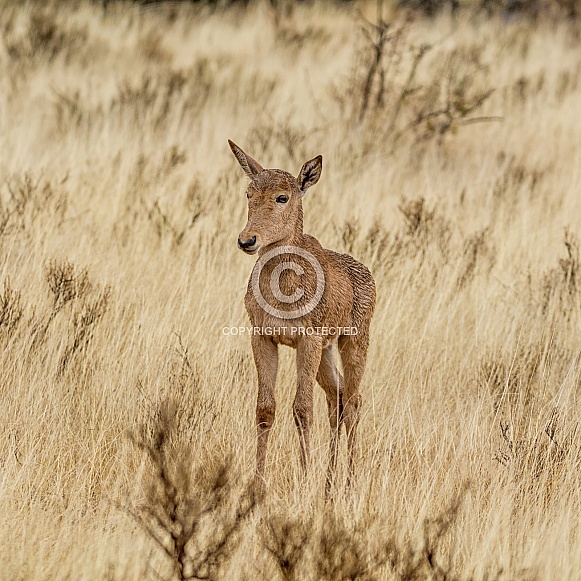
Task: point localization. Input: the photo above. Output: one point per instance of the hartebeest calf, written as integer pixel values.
(306, 297)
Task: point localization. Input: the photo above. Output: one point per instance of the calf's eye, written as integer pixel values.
(282, 199)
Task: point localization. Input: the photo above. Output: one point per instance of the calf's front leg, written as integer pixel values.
(265, 353)
(309, 351)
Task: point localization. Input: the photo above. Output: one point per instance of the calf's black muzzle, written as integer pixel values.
(248, 244)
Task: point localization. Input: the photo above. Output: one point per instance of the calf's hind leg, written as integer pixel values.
(353, 351)
(331, 380)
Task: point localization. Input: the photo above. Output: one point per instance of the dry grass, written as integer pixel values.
(120, 204)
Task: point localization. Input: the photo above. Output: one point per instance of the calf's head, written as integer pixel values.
(275, 208)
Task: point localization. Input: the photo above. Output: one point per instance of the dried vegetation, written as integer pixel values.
(452, 152)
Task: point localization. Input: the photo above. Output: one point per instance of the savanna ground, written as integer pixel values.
(452, 164)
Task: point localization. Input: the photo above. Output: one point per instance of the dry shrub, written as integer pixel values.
(429, 561)
(516, 183)
(286, 541)
(425, 241)
(170, 220)
(425, 246)
(386, 94)
(280, 138)
(66, 283)
(85, 319)
(429, 7)
(151, 100)
(538, 462)
(377, 244)
(26, 199)
(194, 520)
(170, 227)
(72, 291)
(424, 226)
(326, 548)
(425, 234)
(10, 310)
(533, 9)
(478, 253)
(291, 39)
(43, 38)
(561, 285)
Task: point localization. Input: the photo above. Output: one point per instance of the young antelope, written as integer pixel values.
(306, 297)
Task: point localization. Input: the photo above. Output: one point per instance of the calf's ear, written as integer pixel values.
(310, 173)
(250, 166)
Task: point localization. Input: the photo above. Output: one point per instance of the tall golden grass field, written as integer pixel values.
(452, 169)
